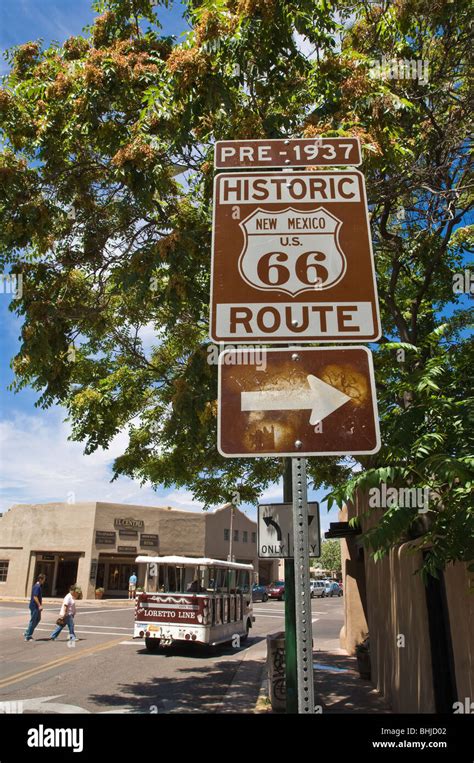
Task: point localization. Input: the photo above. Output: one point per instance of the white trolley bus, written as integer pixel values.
(205, 601)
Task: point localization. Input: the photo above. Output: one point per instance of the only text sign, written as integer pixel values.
(275, 530)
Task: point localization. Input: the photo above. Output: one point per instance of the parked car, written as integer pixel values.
(276, 590)
(259, 593)
(317, 588)
(332, 588)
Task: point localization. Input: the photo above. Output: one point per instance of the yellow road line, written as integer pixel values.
(56, 663)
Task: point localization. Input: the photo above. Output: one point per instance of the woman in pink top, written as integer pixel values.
(68, 610)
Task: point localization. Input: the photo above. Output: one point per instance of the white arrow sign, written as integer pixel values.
(320, 397)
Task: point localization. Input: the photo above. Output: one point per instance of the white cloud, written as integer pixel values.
(40, 465)
(54, 21)
(275, 491)
(182, 499)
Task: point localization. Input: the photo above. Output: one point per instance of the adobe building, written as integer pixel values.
(421, 637)
(95, 544)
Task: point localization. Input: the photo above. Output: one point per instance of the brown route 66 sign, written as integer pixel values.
(292, 259)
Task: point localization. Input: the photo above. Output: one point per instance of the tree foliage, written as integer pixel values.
(330, 558)
(113, 244)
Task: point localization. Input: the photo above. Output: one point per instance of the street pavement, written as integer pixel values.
(109, 672)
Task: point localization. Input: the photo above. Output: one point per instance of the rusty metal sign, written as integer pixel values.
(297, 402)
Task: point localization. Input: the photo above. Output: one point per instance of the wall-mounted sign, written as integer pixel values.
(93, 572)
(128, 523)
(148, 541)
(127, 549)
(104, 538)
(128, 534)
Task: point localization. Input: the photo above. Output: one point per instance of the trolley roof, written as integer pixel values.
(185, 561)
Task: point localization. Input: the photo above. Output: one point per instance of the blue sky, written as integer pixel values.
(38, 463)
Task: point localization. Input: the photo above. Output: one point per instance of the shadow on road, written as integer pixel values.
(193, 689)
(202, 651)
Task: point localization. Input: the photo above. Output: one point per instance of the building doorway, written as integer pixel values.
(99, 580)
(113, 574)
(45, 568)
(60, 569)
(118, 577)
(66, 575)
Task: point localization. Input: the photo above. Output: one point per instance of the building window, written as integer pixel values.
(226, 534)
(236, 535)
(254, 537)
(3, 571)
(245, 537)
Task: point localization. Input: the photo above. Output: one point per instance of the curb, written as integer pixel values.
(263, 704)
(240, 695)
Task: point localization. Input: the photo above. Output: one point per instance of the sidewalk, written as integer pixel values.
(59, 600)
(337, 686)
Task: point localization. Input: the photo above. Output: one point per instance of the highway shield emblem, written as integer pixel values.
(292, 250)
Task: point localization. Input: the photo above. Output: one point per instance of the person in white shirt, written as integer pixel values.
(68, 610)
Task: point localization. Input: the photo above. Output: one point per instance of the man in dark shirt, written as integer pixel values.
(36, 607)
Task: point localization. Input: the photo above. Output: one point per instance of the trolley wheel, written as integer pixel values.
(152, 644)
(244, 638)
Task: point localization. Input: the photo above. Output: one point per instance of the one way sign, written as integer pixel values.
(275, 531)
